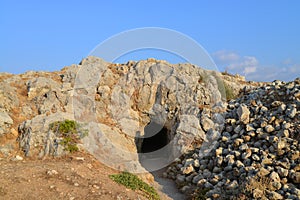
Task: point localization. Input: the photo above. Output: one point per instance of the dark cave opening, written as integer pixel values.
(155, 147)
(155, 138)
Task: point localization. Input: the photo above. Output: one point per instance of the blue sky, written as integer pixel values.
(259, 39)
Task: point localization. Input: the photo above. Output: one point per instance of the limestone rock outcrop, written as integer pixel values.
(128, 96)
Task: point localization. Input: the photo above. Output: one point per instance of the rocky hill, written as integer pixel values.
(219, 134)
(30, 102)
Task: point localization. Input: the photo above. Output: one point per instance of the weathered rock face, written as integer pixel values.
(121, 100)
(129, 97)
(257, 155)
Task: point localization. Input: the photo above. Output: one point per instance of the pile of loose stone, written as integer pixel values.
(257, 155)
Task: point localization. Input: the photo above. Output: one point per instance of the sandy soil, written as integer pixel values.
(79, 176)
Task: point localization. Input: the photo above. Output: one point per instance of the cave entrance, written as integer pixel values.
(155, 139)
(154, 147)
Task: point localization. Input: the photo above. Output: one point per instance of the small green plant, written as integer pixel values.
(71, 132)
(133, 182)
(221, 86)
(212, 77)
(229, 92)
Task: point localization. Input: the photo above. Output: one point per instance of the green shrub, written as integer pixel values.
(71, 132)
(221, 87)
(229, 92)
(133, 182)
(220, 83)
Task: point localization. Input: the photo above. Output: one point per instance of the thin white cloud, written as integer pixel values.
(288, 73)
(250, 67)
(287, 61)
(244, 66)
(224, 56)
(234, 63)
(295, 69)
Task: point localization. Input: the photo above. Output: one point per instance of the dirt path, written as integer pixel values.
(167, 186)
